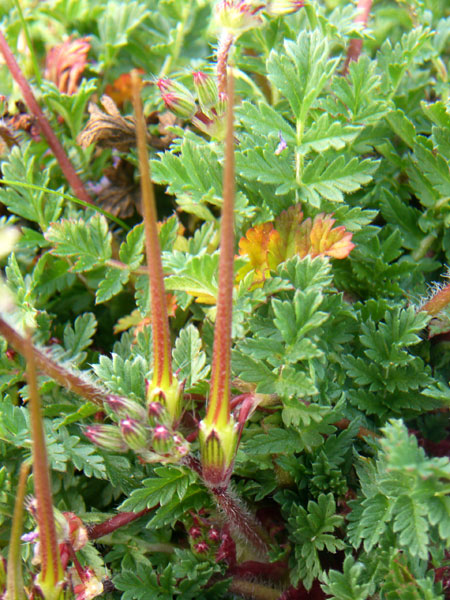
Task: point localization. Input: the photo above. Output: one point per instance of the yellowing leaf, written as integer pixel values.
(270, 244)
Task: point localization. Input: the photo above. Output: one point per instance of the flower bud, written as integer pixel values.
(135, 434)
(156, 413)
(237, 16)
(213, 535)
(107, 437)
(284, 7)
(124, 407)
(218, 444)
(170, 397)
(177, 98)
(213, 126)
(206, 89)
(162, 440)
(195, 532)
(201, 548)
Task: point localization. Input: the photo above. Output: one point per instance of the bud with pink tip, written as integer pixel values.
(107, 437)
(195, 532)
(284, 7)
(162, 440)
(135, 434)
(201, 548)
(124, 407)
(177, 98)
(237, 16)
(156, 413)
(206, 89)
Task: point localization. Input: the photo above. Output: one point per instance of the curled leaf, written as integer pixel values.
(66, 62)
(108, 129)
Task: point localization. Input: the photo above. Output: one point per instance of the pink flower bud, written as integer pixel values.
(124, 407)
(177, 98)
(201, 548)
(135, 434)
(206, 89)
(237, 16)
(195, 532)
(156, 413)
(213, 534)
(162, 440)
(107, 437)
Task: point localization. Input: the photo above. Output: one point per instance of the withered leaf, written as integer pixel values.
(108, 129)
(120, 195)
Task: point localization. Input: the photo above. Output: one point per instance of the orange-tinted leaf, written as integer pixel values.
(255, 245)
(287, 225)
(66, 62)
(120, 89)
(326, 241)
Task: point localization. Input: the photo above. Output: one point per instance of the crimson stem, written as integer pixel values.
(363, 9)
(60, 154)
(43, 361)
(162, 367)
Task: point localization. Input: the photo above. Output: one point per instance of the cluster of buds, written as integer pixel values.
(204, 537)
(149, 433)
(206, 109)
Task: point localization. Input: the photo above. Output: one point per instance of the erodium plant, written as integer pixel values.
(224, 357)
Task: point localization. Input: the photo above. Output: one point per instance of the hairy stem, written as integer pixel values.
(438, 302)
(60, 154)
(114, 523)
(354, 49)
(242, 522)
(14, 582)
(255, 591)
(51, 368)
(223, 50)
(52, 575)
(218, 411)
(162, 367)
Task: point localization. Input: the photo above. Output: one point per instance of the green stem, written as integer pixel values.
(299, 159)
(36, 70)
(32, 186)
(178, 43)
(14, 582)
(424, 246)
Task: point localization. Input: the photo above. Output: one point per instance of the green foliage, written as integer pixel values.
(344, 379)
(312, 530)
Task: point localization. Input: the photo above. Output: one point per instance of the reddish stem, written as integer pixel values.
(241, 521)
(60, 154)
(160, 324)
(220, 390)
(47, 365)
(253, 590)
(438, 302)
(354, 49)
(119, 520)
(223, 50)
(52, 572)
